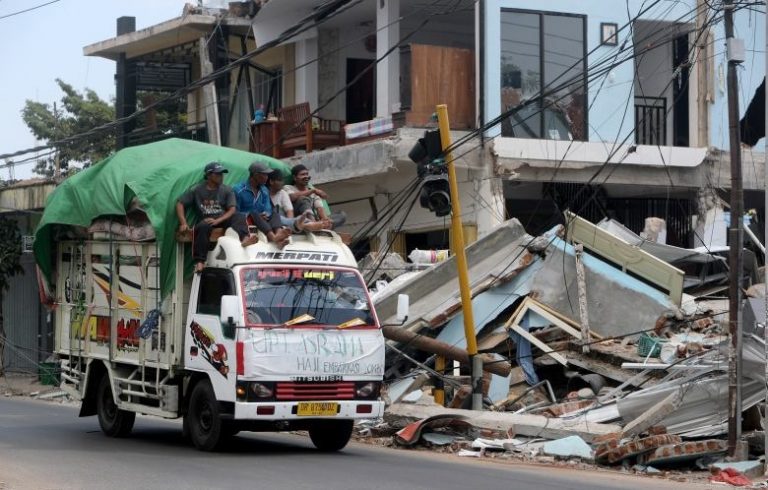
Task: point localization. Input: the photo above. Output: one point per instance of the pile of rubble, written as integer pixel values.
(597, 344)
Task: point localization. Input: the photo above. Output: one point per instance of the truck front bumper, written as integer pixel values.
(364, 409)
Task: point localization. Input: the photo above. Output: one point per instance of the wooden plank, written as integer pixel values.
(538, 343)
(630, 258)
(558, 322)
(564, 318)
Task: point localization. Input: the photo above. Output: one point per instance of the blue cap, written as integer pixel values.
(215, 168)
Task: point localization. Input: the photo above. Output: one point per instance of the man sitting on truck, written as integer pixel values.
(214, 205)
(281, 203)
(253, 201)
(305, 198)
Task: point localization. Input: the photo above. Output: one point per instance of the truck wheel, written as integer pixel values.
(330, 435)
(205, 424)
(113, 421)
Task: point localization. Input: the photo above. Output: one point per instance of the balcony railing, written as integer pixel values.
(650, 120)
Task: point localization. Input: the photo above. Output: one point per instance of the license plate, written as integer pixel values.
(317, 409)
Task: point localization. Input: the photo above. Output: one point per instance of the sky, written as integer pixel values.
(39, 46)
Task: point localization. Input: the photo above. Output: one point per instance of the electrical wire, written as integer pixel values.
(27, 10)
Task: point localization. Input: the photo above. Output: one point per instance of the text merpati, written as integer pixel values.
(310, 344)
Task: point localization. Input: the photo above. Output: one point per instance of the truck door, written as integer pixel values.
(206, 347)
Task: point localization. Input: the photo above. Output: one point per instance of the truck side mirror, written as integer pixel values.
(229, 311)
(403, 305)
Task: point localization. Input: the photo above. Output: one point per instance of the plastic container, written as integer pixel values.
(48, 373)
(259, 115)
(649, 345)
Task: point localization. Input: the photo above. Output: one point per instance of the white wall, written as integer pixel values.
(481, 200)
(350, 43)
(609, 95)
(654, 68)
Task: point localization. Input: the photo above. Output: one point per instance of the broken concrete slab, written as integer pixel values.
(519, 424)
(396, 390)
(612, 292)
(655, 414)
(750, 469)
(438, 439)
(684, 452)
(491, 258)
(568, 447)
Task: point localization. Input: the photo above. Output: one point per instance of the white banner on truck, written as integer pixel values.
(323, 353)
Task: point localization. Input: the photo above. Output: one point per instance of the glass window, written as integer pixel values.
(214, 283)
(543, 53)
(305, 297)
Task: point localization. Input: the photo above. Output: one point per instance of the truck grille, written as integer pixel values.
(344, 390)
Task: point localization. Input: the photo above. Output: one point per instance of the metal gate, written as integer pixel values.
(29, 336)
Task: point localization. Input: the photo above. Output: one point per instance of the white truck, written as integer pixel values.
(262, 339)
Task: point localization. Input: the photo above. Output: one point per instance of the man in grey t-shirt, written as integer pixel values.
(214, 205)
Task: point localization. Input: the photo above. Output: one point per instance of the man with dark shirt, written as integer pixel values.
(214, 205)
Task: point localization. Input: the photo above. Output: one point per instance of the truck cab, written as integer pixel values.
(287, 340)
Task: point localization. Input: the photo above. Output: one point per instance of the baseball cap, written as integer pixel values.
(215, 168)
(259, 168)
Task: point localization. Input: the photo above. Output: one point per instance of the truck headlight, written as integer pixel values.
(367, 390)
(261, 390)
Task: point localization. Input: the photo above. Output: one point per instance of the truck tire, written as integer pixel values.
(113, 421)
(205, 425)
(330, 435)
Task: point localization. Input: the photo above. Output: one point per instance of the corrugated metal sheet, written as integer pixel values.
(25, 321)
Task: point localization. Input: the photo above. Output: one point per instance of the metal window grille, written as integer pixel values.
(26, 243)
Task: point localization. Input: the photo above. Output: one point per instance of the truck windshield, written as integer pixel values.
(305, 297)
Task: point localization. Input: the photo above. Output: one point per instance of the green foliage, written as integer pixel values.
(10, 255)
(171, 114)
(10, 252)
(77, 113)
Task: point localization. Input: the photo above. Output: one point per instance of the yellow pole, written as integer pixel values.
(461, 260)
(439, 391)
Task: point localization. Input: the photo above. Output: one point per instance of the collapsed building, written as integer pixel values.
(587, 331)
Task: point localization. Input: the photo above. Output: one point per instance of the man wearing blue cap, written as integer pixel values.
(253, 199)
(215, 205)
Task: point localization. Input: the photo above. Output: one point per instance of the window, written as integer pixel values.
(268, 89)
(543, 53)
(214, 283)
(305, 297)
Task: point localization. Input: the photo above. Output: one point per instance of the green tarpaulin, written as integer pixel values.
(157, 174)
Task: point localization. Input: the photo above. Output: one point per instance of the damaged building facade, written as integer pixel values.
(632, 122)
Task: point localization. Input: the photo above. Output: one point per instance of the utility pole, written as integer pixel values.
(735, 54)
(457, 232)
(56, 162)
(765, 255)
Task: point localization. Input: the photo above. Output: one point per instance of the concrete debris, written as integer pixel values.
(683, 452)
(569, 447)
(750, 469)
(643, 386)
(438, 439)
(412, 397)
(616, 450)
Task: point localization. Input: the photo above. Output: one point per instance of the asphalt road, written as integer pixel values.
(45, 445)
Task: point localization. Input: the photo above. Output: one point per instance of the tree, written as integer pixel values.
(10, 254)
(78, 113)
